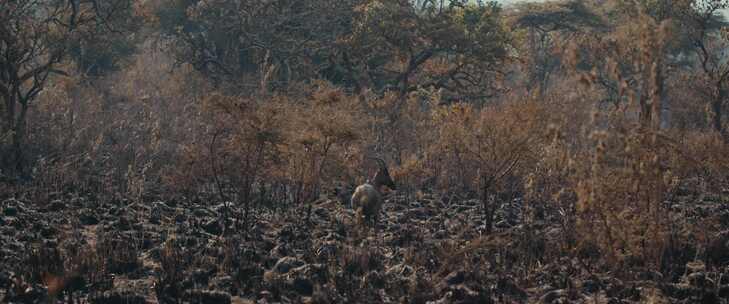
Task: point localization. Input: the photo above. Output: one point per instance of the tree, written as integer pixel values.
(359, 44)
(629, 61)
(454, 46)
(254, 44)
(549, 26)
(710, 37)
(34, 40)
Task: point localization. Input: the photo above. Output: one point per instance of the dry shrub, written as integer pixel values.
(702, 158)
(114, 134)
(120, 253)
(324, 140)
(155, 115)
(416, 174)
(548, 182)
(685, 113)
(487, 151)
(42, 260)
(273, 149)
(610, 187)
(620, 198)
(456, 123)
(243, 148)
(405, 130)
(173, 260)
(64, 138)
(625, 168)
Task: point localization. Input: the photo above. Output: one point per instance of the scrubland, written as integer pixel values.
(207, 151)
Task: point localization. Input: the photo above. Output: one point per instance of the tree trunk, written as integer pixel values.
(645, 111)
(488, 208)
(246, 204)
(18, 151)
(716, 108)
(657, 93)
(14, 127)
(8, 129)
(9, 114)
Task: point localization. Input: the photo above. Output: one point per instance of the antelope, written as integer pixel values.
(367, 198)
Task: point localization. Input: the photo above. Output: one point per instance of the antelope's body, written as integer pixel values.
(367, 199)
(368, 202)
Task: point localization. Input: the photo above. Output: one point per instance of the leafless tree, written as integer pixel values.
(34, 38)
(710, 38)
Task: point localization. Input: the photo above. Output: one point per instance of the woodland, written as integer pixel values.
(210, 151)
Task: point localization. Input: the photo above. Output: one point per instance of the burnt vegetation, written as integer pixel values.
(364, 151)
